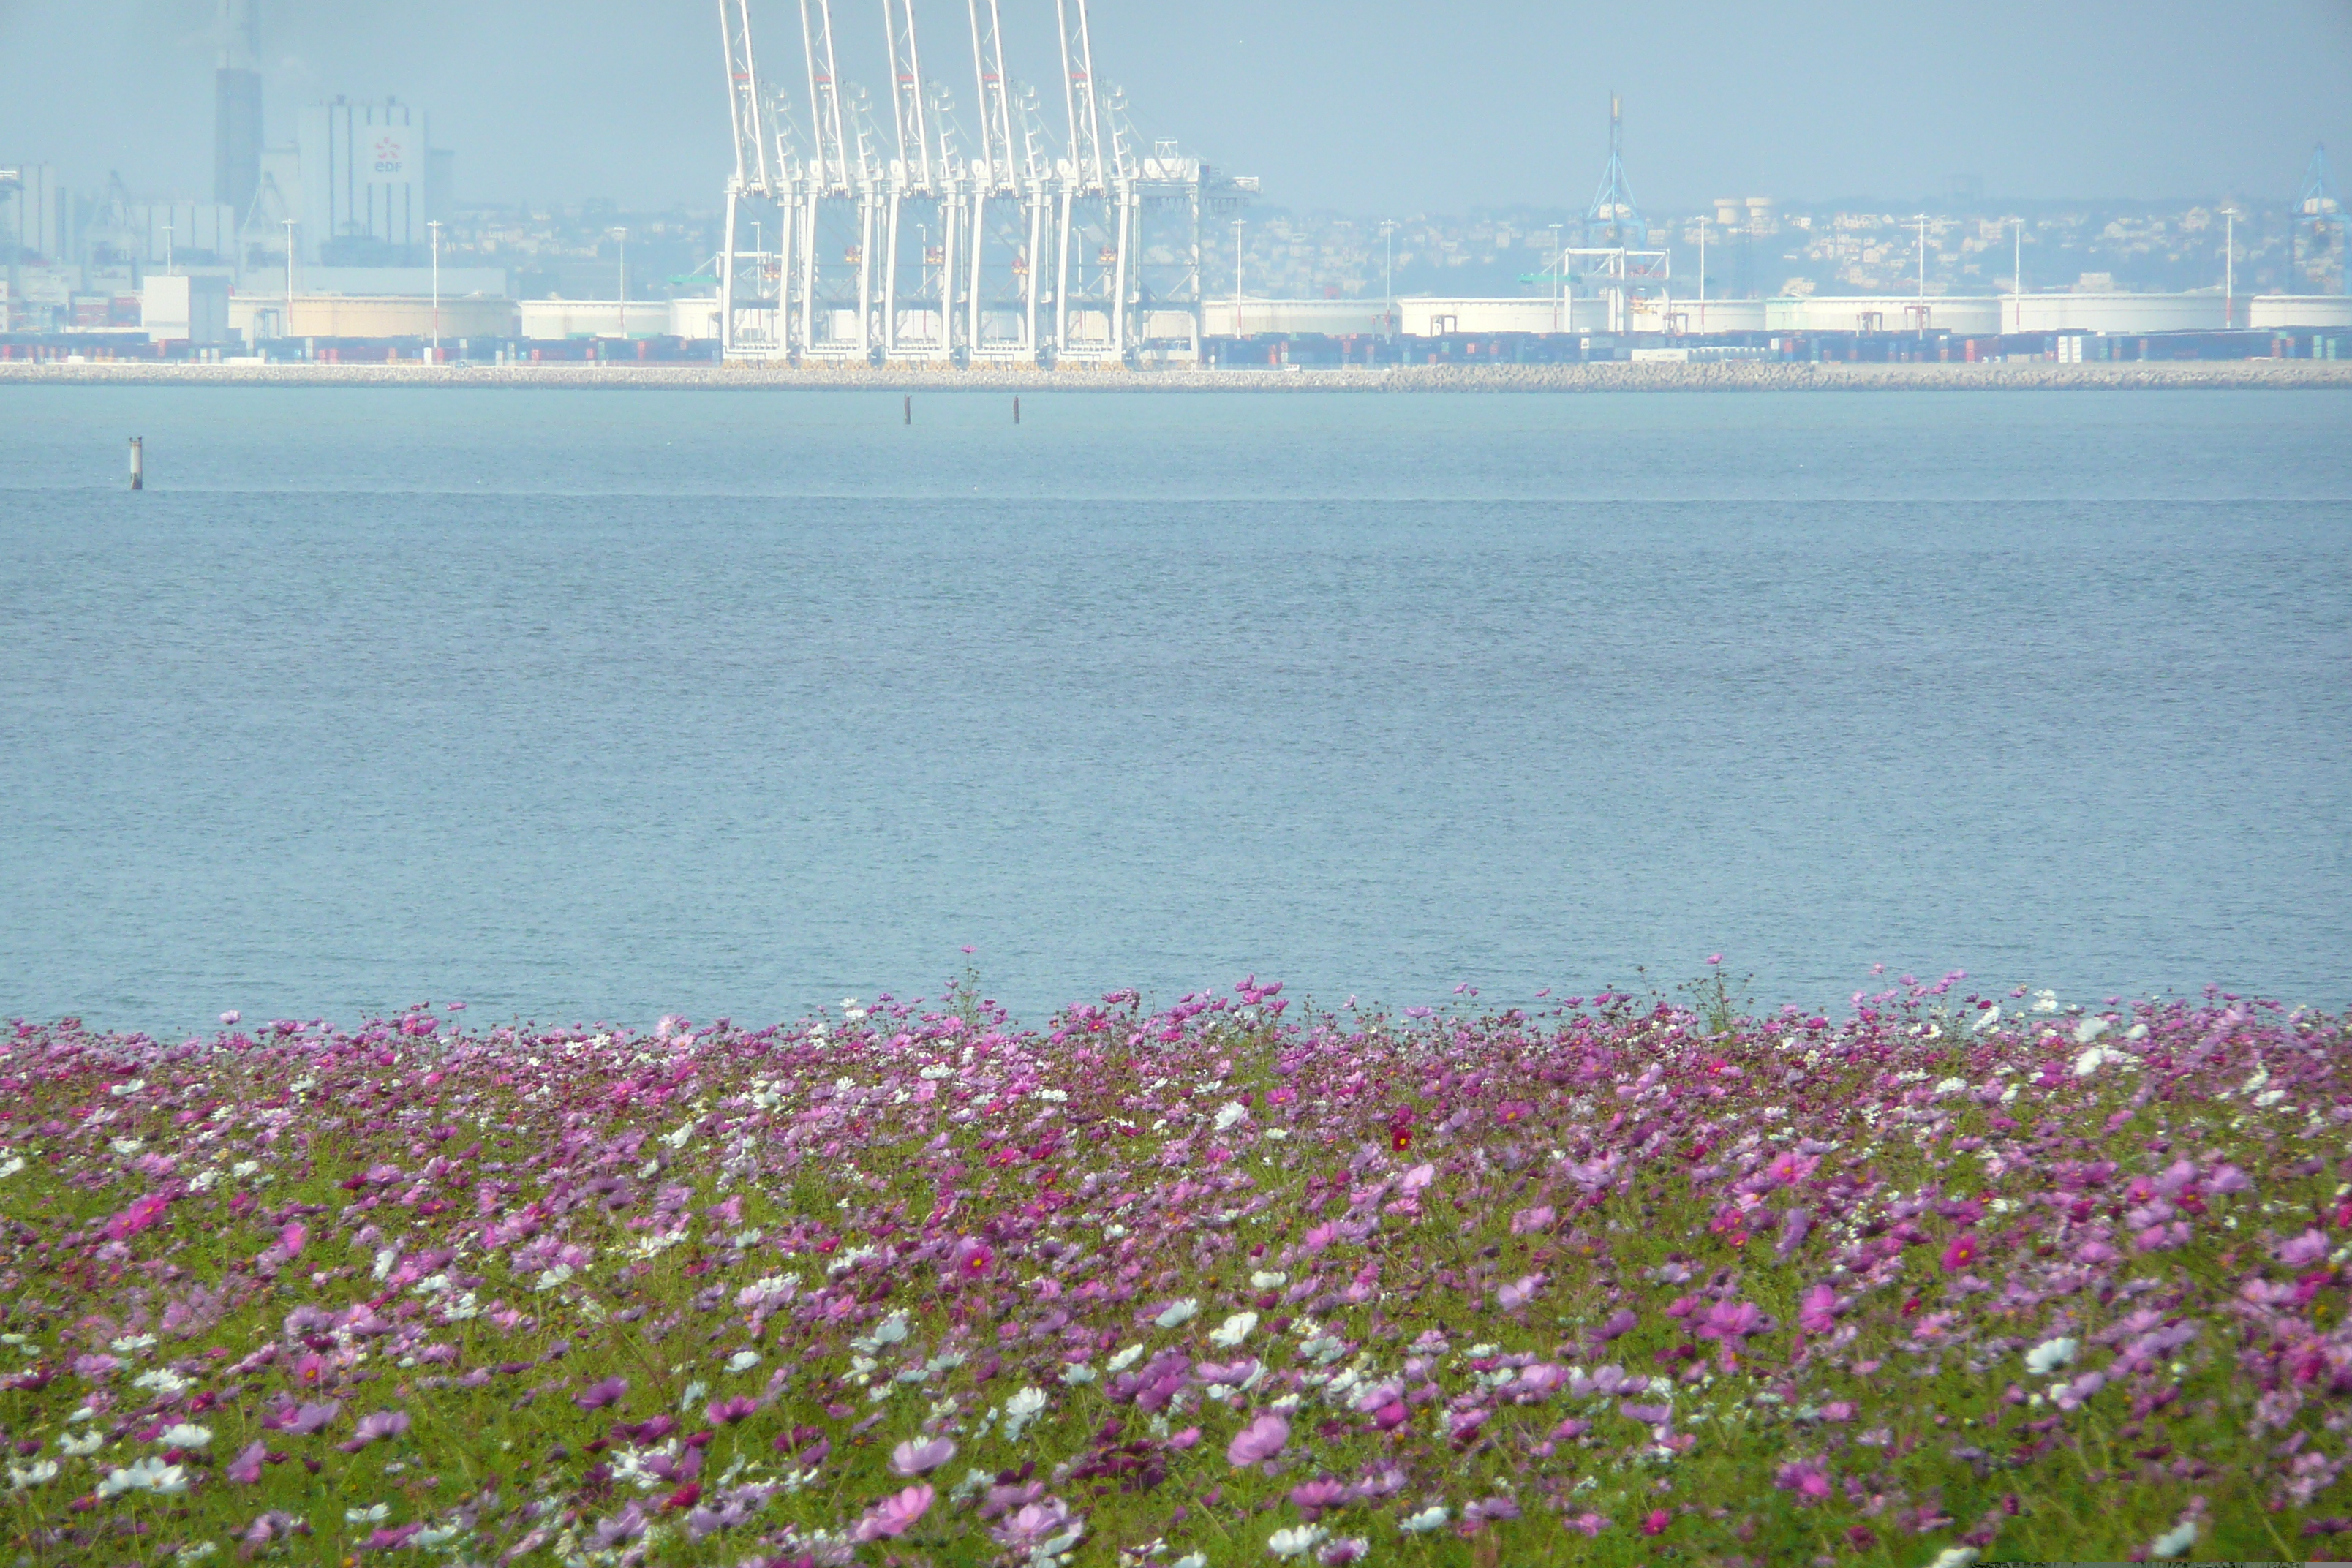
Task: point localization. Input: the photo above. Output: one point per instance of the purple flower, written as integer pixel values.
(894, 1515)
(729, 1411)
(1513, 1296)
(1261, 1440)
(381, 1425)
(597, 1395)
(2303, 1250)
(1806, 1478)
(246, 1468)
(911, 1458)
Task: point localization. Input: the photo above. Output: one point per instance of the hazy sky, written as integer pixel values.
(1378, 106)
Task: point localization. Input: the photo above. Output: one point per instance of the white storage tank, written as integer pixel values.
(2275, 312)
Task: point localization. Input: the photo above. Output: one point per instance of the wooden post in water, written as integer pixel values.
(139, 462)
(1016, 411)
(910, 408)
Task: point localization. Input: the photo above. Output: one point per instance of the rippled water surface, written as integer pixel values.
(598, 705)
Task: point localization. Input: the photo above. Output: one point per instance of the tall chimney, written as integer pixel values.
(236, 108)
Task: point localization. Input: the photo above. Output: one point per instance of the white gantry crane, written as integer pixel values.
(1017, 254)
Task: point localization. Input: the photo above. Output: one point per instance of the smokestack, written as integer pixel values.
(236, 108)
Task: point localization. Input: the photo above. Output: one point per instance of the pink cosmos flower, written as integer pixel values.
(1817, 1312)
(1806, 1478)
(1514, 1296)
(912, 1458)
(1537, 1219)
(2303, 1250)
(729, 1411)
(383, 1425)
(143, 1212)
(1034, 1524)
(894, 1515)
(1964, 1250)
(597, 1395)
(1261, 1440)
(1731, 1320)
(246, 1468)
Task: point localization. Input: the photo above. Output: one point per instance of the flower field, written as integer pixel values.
(1604, 1280)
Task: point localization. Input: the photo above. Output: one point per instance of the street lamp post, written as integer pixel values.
(2229, 266)
(1557, 259)
(286, 329)
(1388, 285)
(435, 226)
(623, 235)
(1237, 280)
(2017, 277)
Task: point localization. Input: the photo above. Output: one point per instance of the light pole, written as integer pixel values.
(1923, 258)
(1237, 280)
(435, 228)
(1556, 269)
(1705, 220)
(287, 330)
(1388, 233)
(2017, 277)
(167, 250)
(2230, 266)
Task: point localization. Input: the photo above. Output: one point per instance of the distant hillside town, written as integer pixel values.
(346, 233)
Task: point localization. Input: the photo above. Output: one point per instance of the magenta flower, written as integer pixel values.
(597, 1395)
(894, 1515)
(1817, 1313)
(912, 1458)
(142, 1212)
(376, 1428)
(1806, 1478)
(729, 1411)
(1261, 1440)
(1732, 1320)
(2303, 1250)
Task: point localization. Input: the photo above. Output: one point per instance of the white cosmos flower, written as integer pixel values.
(2089, 1029)
(1298, 1540)
(2173, 1542)
(1425, 1521)
(39, 1473)
(1231, 1112)
(1268, 1280)
(185, 1435)
(2050, 1355)
(1234, 1330)
(1985, 1020)
(1177, 1312)
(1022, 1409)
(1124, 1359)
(148, 1475)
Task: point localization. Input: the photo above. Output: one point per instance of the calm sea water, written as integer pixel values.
(595, 706)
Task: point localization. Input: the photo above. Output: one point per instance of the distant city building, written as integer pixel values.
(370, 183)
(236, 109)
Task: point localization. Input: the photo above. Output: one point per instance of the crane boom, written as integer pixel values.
(1087, 168)
(755, 139)
(830, 173)
(910, 104)
(995, 112)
